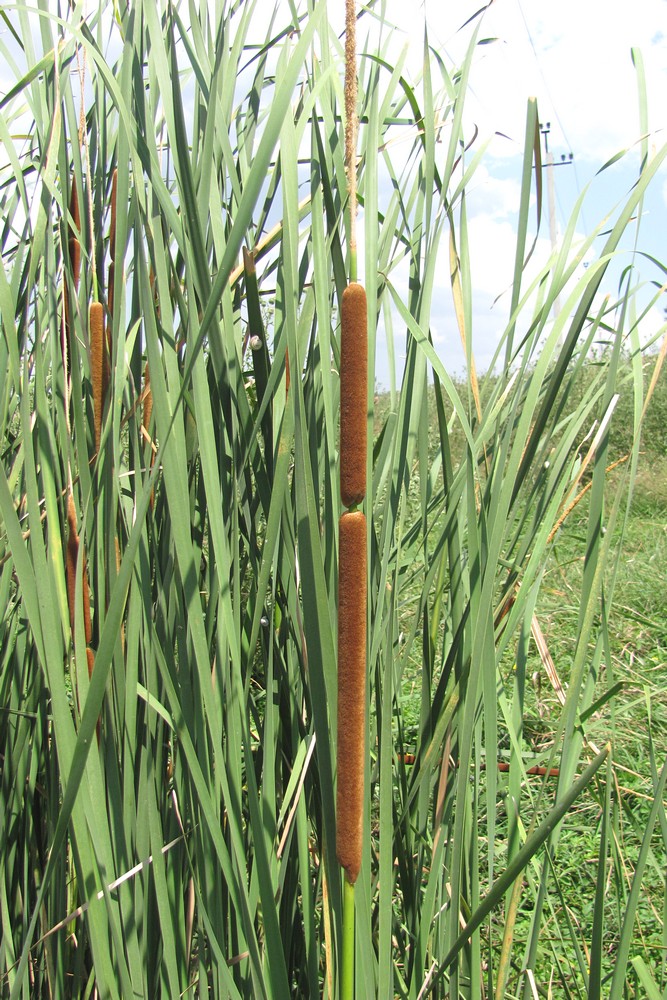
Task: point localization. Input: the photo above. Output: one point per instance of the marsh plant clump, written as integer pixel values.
(178, 258)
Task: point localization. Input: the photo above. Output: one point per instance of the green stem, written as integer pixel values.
(347, 977)
(353, 264)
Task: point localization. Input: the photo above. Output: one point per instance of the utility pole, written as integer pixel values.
(549, 164)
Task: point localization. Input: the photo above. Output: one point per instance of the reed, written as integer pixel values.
(351, 691)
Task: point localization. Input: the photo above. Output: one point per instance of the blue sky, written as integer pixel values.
(575, 58)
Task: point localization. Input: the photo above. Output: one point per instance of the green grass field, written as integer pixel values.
(632, 715)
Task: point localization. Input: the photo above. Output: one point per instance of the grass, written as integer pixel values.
(635, 661)
(167, 823)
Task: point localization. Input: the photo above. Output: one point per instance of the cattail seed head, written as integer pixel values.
(351, 751)
(90, 659)
(74, 256)
(353, 395)
(148, 399)
(98, 366)
(73, 245)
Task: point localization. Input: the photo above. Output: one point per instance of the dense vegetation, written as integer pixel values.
(168, 552)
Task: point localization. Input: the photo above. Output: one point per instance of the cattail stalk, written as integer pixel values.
(347, 972)
(351, 748)
(353, 395)
(351, 691)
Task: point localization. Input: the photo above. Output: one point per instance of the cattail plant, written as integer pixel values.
(351, 747)
(72, 550)
(295, 795)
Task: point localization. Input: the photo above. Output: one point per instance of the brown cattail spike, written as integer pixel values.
(73, 245)
(353, 395)
(148, 399)
(98, 366)
(351, 753)
(90, 658)
(74, 255)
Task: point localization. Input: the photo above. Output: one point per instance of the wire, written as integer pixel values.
(553, 107)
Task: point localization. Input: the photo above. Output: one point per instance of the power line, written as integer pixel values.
(553, 103)
(544, 79)
(549, 164)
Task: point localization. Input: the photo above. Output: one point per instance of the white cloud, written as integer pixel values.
(492, 251)
(574, 56)
(498, 196)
